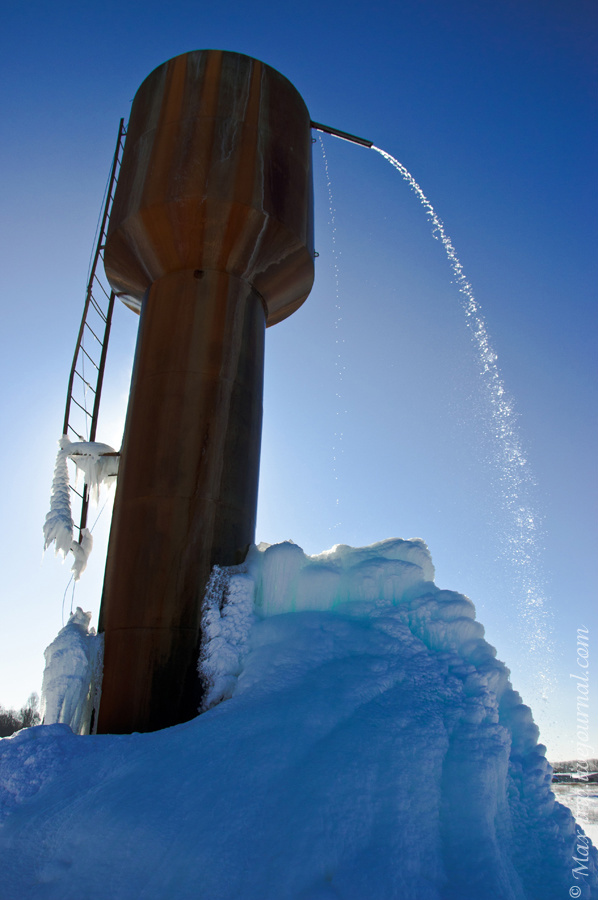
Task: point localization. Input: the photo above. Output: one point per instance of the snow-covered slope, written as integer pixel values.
(363, 742)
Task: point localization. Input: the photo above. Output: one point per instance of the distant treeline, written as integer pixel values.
(573, 765)
(12, 720)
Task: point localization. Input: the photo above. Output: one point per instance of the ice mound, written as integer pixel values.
(288, 580)
(72, 674)
(370, 747)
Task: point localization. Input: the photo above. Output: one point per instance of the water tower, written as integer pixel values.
(210, 239)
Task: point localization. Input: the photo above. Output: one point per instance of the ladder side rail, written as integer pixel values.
(69, 390)
(107, 205)
(99, 245)
(101, 368)
(96, 405)
(107, 321)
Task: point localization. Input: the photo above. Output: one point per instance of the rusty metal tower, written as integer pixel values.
(210, 239)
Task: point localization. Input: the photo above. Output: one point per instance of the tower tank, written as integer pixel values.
(211, 240)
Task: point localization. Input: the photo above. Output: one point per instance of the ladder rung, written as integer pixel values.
(87, 325)
(92, 361)
(97, 306)
(86, 411)
(104, 291)
(84, 381)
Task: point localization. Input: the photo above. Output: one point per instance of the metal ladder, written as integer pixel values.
(89, 360)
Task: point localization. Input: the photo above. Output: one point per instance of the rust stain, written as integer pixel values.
(159, 168)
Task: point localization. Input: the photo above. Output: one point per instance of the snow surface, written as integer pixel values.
(371, 748)
(99, 463)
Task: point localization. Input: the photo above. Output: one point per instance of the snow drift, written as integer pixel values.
(362, 742)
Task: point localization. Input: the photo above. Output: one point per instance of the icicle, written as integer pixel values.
(81, 551)
(99, 463)
(58, 526)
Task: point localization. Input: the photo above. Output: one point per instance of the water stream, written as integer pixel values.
(339, 362)
(521, 540)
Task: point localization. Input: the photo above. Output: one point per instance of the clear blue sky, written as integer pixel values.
(493, 109)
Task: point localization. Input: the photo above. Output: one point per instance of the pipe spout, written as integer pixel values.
(343, 135)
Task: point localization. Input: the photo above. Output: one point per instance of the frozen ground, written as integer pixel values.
(361, 741)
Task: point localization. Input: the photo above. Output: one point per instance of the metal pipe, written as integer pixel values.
(344, 135)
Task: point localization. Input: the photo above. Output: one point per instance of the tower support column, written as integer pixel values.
(187, 490)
